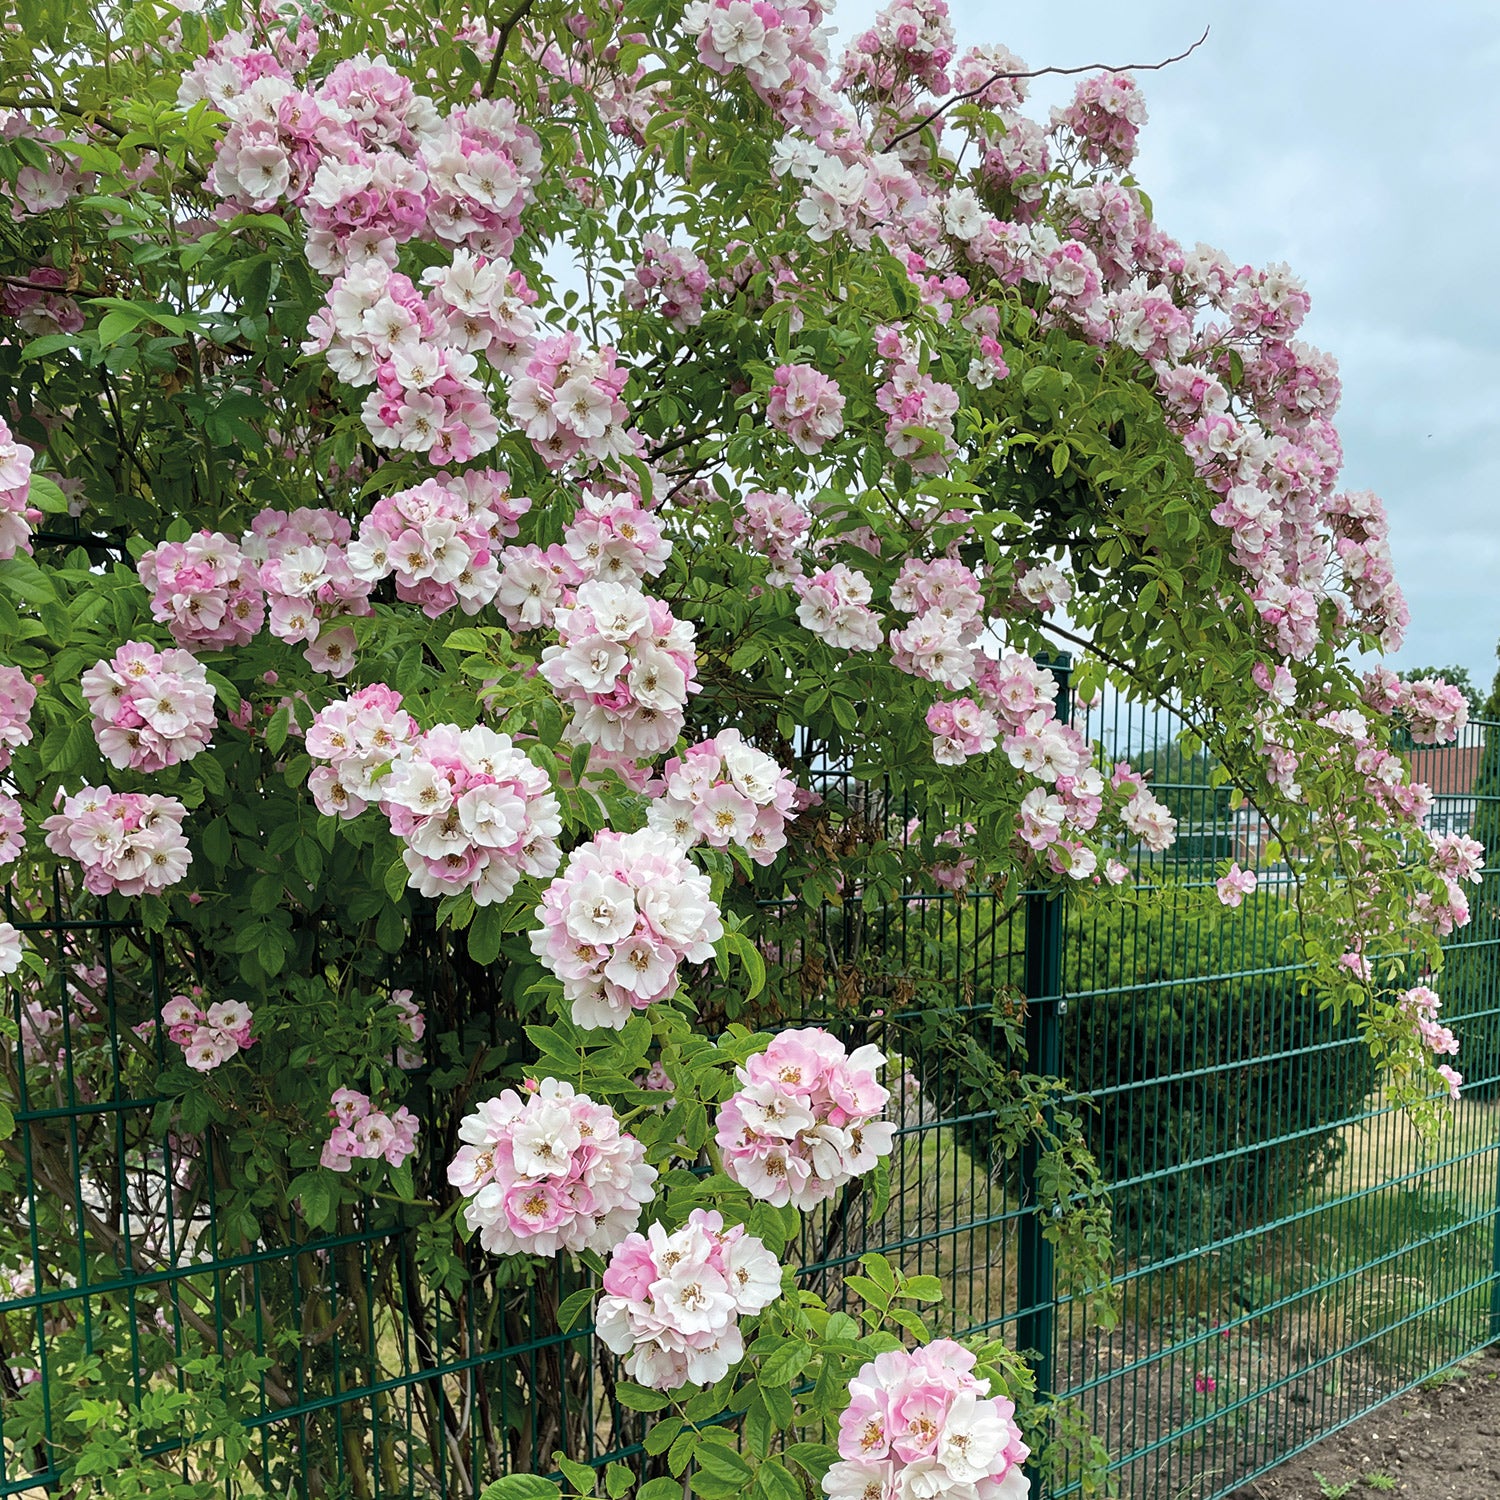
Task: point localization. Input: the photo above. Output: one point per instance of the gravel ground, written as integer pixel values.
(1439, 1443)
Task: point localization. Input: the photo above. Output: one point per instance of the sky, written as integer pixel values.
(1358, 140)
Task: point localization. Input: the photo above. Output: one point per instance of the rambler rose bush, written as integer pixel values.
(567, 433)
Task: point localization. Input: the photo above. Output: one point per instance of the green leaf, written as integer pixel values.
(573, 1307)
(395, 879)
(784, 1364)
(211, 774)
(638, 1398)
(662, 1435)
(723, 1463)
(773, 1482)
(583, 1477)
(881, 1186)
(750, 956)
(922, 1289)
(45, 495)
(277, 728)
(814, 1459)
(486, 933)
(520, 1487)
(317, 1200)
(880, 1272)
(618, 1481)
(21, 577)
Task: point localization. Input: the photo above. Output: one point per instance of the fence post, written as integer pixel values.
(1495, 1261)
(1042, 982)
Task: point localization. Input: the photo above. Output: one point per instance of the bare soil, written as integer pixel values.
(1441, 1442)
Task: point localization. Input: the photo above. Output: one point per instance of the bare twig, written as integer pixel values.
(1155, 67)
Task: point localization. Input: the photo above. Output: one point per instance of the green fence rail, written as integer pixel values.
(1289, 1253)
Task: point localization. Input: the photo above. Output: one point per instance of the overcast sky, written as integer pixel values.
(1358, 140)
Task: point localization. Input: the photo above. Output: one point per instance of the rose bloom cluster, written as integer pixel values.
(1016, 707)
(151, 709)
(372, 164)
(625, 666)
(363, 1133)
(17, 699)
(945, 599)
(205, 590)
(129, 842)
(473, 812)
(568, 402)
(420, 351)
(672, 1302)
(549, 1171)
(953, 873)
(1422, 1004)
(1455, 858)
(308, 583)
(614, 536)
(1435, 711)
(912, 399)
(669, 280)
(910, 43)
(414, 1024)
(805, 1119)
(1233, 886)
(724, 791)
(12, 830)
(208, 1036)
(627, 909)
(806, 405)
(17, 515)
(1105, 117)
(40, 305)
(440, 539)
(776, 525)
(920, 1425)
(777, 46)
(834, 604)
(360, 737)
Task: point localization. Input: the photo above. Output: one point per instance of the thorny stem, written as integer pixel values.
(1155, 67)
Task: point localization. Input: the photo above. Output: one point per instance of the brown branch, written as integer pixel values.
(1155, 67)
(38, 286)
(506, 27)
(50, 1173)
(62, 107)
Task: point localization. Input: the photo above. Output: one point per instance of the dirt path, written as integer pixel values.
(1442, 1443)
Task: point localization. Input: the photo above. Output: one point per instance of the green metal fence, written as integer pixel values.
(1289, 1255)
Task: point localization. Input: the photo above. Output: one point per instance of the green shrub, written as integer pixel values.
(1215, 1089)
(1218, 1086)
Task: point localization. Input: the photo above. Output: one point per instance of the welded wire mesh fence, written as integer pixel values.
(1289, 1254)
